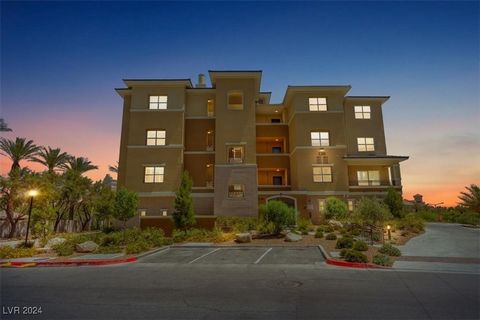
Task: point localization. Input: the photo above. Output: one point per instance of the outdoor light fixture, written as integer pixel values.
(276, 111)
(32, 194)
(389, 232)
(276, 140)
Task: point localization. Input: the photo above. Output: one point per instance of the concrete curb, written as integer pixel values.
(70, 262)
(341, 263)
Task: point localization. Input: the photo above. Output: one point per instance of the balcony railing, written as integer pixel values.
(235, 160)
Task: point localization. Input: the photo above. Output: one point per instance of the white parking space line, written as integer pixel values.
(262, 256)
(202, 256)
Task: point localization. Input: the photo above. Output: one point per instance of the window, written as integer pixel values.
(276, 149)
(235, 154)
(158, 102)
(317, 104)
(321, 206)
(350, 205)
(154, 174)
(368, 178)
(211, 107)
(210, 140)
(235, 100)
(365, 144)
(320, 139)
(164, 212)
(275, 120)
(277, 180)
(322, 174)
(236, 191)
(362, 112)
(209, 176)
(142, 212)
(156, 137)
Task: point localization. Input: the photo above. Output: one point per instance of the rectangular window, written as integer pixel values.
(362, 112)
(322, 174)
(164, 212)
(368, 178)
(211, 107)
(317, 104)
(158, 102)
(365, 144)
(235, 100)
(142, 212)
(321, 206)
(154, 174)
(277, 180)
(276, 149)
(320, 139)
(156, 137)
(275, 120)
(350, 205)
(235, 154)
(236, 191)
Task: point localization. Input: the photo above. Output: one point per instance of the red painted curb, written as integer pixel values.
(361, 265)
(79, 262)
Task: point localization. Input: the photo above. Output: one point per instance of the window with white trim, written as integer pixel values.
(362, 112)
(158, 102)
(154, 174)
(322, 174)
(320, 138)
(365, 144)
(142, 212)
(235, 154)
(368, 178)
(317, 104)
(156, 137)
(236, 191)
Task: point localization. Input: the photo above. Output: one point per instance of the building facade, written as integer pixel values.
(241, 150)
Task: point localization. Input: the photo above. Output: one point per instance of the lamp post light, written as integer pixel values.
(389, 232)
(32, 194)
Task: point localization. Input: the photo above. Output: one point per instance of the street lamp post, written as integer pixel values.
(31, 194)
(389, 232)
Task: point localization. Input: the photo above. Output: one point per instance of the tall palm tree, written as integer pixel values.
(18, 150)
(52, 158)
(79, 165)
(114, 168)
(471, 198)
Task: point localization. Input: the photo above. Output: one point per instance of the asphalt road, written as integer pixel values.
(151, 290)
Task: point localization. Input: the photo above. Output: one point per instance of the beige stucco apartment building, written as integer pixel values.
(242, 150)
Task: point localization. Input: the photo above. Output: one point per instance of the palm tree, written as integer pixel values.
(52, 158)
(471, 198)
(79, 165)
(114, 168)
(18, 150)
(4, 125)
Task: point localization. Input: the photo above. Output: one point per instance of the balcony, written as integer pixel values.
(273, 179)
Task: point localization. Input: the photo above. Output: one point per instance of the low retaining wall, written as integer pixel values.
(167, 224)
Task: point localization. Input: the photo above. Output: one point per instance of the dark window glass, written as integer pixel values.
(276, 149)
(277, 180)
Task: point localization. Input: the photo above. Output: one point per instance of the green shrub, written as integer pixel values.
(390, 250)
(382, 260)
(137, 247)
(64, 249)
(238, 224)
(154, 237)
(198, 235)
(8, 252)
(360, 246)
(394, 201)
(325, 228)
(331, 236)
(343, 252)
(304, 225)
(335, 208)
(179, 235)
(344, 242)
(354, 256)
(411, 222)
(279, 214)
(469, 217)
(319, 234)
(109, 249)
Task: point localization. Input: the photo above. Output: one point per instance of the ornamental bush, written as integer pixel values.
(8, 252)
(344, 242)
(325, 228)
(390, 250)
(411, 222)
(279, 214)
(360, 246)
(331, 236)
(354, 256)
(335, 208)
(382, 260)
(319, 234)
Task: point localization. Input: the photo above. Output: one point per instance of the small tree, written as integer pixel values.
(335, 208)
(125, 208)
(277, 213)
(184, 215)
(394, 202)
(371, 214)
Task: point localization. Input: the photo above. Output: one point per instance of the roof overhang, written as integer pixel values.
(381, 99)
(338, 89)
(158, 82)
(234, 74)
(374, 160)
(122, 92)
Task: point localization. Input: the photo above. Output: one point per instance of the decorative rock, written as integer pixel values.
(87, 246)
(37, 243)
(243, 237)
(54, 241)
(293, 237)
(335, 223)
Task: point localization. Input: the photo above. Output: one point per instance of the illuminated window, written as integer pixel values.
(317, 104)
(362, 112)
(236, 191)
(365, 144)
(154, 174)
(142, 212)
(235, 100)
(322, 174)
(211, 107)
(368, 178)
(350, 205)
(321, 206)
(156, 137)
(164, 212)
(320, 139)
(158, 102)
(209, 176)
(235, 154)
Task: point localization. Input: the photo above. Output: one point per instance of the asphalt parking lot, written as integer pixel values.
(236, 255)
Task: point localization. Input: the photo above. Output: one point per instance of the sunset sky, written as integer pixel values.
(61, 61)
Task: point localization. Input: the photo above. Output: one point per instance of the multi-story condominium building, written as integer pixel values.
(241, 150)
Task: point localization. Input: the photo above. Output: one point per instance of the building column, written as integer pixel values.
(396, 177)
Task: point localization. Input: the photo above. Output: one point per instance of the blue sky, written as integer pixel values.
(61, 60)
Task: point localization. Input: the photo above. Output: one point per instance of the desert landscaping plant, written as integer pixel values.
(344, 242)
(390, 250)
(331, 236)
(371, 214)
(184, 215)
(471, 198)
(394, 201)
(382, 260)
(335, 208)
(125, 208)
(351, 255)
(279, 214)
